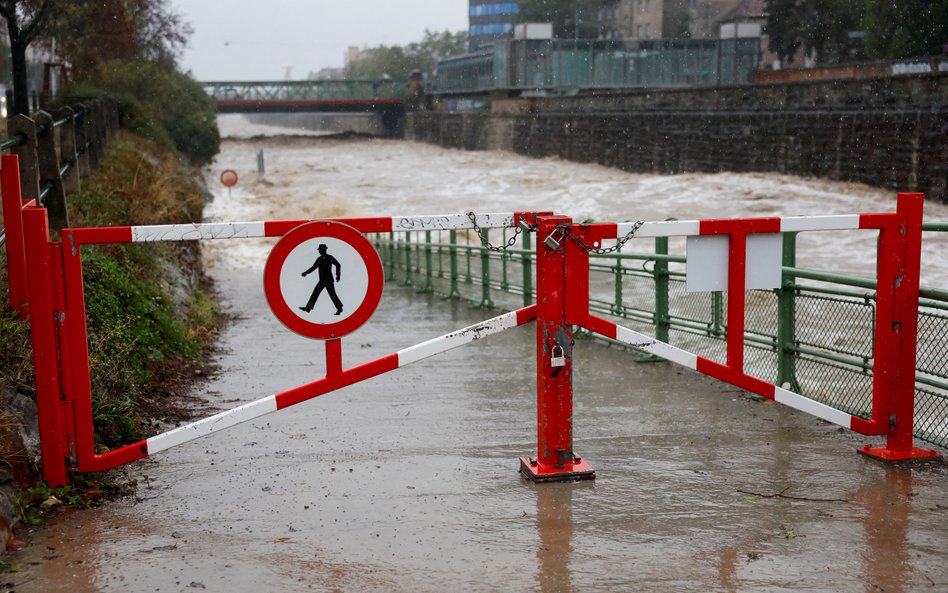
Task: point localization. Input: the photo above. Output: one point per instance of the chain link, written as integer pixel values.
(488, 244)
(568, 231)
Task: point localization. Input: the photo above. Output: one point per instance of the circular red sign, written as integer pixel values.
(229, 177)
(323, 280)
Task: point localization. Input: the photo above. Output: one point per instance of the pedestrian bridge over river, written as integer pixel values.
(306, 95)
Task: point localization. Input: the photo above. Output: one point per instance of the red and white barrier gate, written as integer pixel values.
(46, 284)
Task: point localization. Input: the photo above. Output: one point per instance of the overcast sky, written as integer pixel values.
(260, 39)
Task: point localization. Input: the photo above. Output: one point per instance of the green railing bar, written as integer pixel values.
(527, 264)
(486, 301)
(941, 227)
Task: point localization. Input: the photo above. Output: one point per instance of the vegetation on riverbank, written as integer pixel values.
(149, 310)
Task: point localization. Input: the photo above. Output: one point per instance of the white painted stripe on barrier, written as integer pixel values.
(653, 346)
(457, 338)
(192, 232)
(814, 408)
(843, 222)
(446, 222)
(670, 228)
(215, 423)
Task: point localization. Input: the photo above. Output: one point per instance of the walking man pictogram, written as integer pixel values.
(324, 263)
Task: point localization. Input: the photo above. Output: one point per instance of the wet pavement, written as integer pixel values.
(408, 481)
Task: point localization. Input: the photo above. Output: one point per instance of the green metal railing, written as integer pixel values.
(813, 335)
(305, 90)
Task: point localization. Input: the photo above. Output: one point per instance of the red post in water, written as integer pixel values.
(896, 335)
(13, 220)
(43, 297)
(555, 460)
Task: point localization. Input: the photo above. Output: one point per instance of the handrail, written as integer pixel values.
(90, 126)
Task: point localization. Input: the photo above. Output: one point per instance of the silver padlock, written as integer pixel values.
(559, 357)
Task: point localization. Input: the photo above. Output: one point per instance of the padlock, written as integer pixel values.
(559, 357)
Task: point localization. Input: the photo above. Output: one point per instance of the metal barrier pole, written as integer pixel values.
(45, 353)
(407, 281)
(555, 460)
(662, 296)
(896, 333)
(527, 272)
(13, 219)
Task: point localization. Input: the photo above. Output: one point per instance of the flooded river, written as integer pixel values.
(408, 482)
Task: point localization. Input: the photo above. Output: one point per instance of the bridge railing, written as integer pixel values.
(820, 346)
(305, 90)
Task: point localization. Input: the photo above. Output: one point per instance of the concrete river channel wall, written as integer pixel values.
(886, 132)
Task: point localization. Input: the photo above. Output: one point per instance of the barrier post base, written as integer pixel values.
(914, 455)
(578, 470)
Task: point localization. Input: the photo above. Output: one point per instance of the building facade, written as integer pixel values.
(643, 20)
(491, 20)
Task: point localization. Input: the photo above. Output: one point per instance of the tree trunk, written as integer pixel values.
(21, 91)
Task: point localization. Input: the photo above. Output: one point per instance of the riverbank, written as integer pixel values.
(151, 318)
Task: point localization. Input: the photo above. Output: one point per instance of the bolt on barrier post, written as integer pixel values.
(555, 460)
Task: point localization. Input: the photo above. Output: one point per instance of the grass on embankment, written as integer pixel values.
(149, 312)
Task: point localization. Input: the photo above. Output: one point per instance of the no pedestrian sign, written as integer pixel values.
(323, 280)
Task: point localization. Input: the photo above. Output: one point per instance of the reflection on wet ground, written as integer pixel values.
(409, 483)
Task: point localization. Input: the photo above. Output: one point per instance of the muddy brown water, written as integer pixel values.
(408, 482)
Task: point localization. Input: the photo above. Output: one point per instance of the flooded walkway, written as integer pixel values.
(408, 482)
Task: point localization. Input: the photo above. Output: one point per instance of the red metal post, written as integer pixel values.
(13, 221)
(43, 319)
(555, 460)
(896, 334)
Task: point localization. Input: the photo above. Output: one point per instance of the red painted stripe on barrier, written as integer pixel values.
(113, 459)
(867, 427)
(739, 225)
(278, 228)
(877, 221)
(526, 315)
(99, 236)
(346, 378)
(600, 326)
(736, 378)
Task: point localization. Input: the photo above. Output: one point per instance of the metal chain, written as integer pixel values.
(488, 244)
(568, 231)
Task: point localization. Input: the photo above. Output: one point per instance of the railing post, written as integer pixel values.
(82, 139)
(662, 314)
(45, 351)
(13, 220)
(67, 150)
(617, 308)
(527, 271)
(486, 301)
(455, 292)
(717, 314)
(555, 460)
(407, 281)
(26, 151)
(896, 336)
(504, 256)
(55, 199)
(786, 322)
(429, 284)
